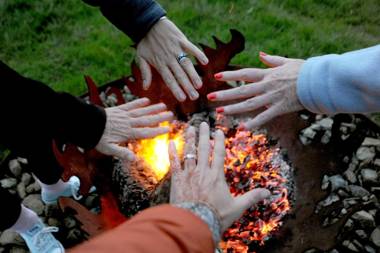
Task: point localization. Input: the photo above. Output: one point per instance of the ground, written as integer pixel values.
(59, 41)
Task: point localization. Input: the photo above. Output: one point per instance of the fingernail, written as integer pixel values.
(218, 76)
(198, 85)
(263, 54)
(204, 61)
(194, 95)
(220, 110)
(241, 127)
(182, 97)
(211, 96)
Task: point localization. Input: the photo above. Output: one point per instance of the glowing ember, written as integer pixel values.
(155, 151)
(250, 163)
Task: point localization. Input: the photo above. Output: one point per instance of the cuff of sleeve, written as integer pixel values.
(137, 24)
(206, 214)
(313, 85)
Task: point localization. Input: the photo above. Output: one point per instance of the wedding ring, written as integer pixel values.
(190, 156)
(181, 57)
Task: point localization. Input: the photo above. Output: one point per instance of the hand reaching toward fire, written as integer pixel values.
(134, 120)
(273, 88)
(165, 48)
(202, 180)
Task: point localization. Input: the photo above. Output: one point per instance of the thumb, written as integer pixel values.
(251, 198)
(272, 60)
(120, 152)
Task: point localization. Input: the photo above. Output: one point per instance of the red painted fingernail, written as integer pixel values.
(211, 96)
(220, 110)
(263, 54)
(241, 127)
(218, 75)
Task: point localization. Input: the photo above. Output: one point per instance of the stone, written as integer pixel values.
(364, 218)
(332, 198)
(53, 222)
(358, 245)
(69, 222)
(343, 193)
(21, 190)
(325, 182)
(305, 141)
(375, 237)
(350, 176)
(368, 141)
(337, 182)
(334, 251)
(358, 191)
(377, 162)
(369, 249)
(326, 137)
(361, 234)
(17, 249)
(22, 160)
(369, 176)
(349, 224)
(8, 183)
(349, 245)
(74, 236)
(326, 123)
(10, 237)
(309, 133)
(15, 167)
(365, 153)
(32, 188)
(26, 178)
(34, 202)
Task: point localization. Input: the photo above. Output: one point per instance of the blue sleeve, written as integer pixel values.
(347, 83)
(133, 17)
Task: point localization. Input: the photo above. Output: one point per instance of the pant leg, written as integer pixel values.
(10, 210)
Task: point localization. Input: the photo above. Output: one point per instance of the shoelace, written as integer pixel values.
(75, 191)
(38, 238)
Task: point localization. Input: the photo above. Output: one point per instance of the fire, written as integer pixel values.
(250, 163)
(155, 151)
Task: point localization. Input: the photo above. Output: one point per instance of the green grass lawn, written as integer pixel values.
(58, 41)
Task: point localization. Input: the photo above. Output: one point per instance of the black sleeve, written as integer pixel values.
(133, 17)
(32, 111)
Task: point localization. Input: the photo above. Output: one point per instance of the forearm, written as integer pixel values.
(347, 83)
(133, 17)
(159, 229)
(34, 111)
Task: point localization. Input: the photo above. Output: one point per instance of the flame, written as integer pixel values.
(155, 151)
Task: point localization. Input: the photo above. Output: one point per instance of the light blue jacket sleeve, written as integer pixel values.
(347, 83)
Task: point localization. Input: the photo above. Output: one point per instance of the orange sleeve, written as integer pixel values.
(165, 229)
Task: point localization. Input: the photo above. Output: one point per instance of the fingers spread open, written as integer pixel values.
(263, 117)
(170, 81)
(247, 75)
(190, 48)
(273, 60)
(152, 109)
(146, 132)
(190, 149)
(219, 154)
(146, 72)
(141, 102)
(151, 120)
(249, 104)
(188, 66)
(182, 78)
(204, 146)
(245, 91)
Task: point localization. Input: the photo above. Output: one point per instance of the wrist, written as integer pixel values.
(208, 214)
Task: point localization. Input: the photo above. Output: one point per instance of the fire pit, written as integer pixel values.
(289, 220)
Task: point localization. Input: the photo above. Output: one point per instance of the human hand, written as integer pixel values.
(200, 181)
(161, 48)
(273, 88)
(133, 120)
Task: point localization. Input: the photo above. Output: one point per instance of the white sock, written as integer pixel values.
(25, 221)
(56, 188)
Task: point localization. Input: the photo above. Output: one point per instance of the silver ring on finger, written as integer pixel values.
(181, 57)
(190, 156)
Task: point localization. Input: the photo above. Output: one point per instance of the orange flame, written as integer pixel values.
(155, 151)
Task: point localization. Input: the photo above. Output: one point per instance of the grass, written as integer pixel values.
(58, 41)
